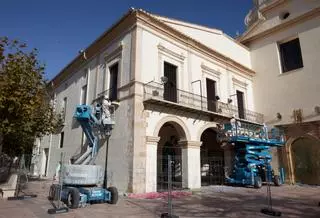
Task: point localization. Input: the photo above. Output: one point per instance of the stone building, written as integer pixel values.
(176, 82)
(284, 41)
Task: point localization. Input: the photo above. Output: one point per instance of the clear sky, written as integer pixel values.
(60, 28)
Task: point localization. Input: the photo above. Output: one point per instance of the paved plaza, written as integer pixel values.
(213, 201)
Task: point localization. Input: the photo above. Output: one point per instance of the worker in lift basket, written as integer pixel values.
(56, 175)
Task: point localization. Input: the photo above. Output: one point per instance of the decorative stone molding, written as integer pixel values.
(116, 53)
(207, 69)
(165, 50)
(179, 125)
(190, 144)
(240, 83)
(210, 125)
(152, 139)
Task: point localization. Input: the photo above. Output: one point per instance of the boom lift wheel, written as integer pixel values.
(73, 198)
(114, 195)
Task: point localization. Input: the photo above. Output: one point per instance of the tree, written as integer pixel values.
(25, 109)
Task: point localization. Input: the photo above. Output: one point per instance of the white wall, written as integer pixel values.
(275, 92)
(120, 157)
(192, 66)
(214, 39)
(154, 49)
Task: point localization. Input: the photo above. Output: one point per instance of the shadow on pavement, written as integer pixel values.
(228, 204)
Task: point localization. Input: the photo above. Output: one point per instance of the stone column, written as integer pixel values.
(228, 152)
(151, 163)
(191, 173)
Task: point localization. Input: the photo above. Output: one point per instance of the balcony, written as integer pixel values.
(174, 98)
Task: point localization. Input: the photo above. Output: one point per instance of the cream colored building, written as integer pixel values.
(284, 41)
(204, 68)
(177, 80)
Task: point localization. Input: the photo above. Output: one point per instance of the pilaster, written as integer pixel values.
(191, 175)
(151, 163)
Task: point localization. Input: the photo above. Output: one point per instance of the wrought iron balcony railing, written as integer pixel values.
(156, 91)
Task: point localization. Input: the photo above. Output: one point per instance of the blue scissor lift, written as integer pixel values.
(252, 144)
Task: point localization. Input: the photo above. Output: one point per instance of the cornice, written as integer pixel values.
(170, 52)
(210, 70)
(152, 139)
(251, 28)
(239, 82)
(189, 144)
(129, 21)
(272, 5)
(115, 53)
(307, 16)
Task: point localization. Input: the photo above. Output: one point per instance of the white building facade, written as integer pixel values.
(284, 41)
(175, 83)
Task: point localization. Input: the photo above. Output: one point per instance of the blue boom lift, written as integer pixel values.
(81, 180)
(252, 144)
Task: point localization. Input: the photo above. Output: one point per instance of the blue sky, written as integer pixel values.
(60, 28)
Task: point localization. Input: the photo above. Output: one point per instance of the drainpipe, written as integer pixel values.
(49, 157)
(200, 90)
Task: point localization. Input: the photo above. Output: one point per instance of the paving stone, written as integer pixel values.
(212, 201)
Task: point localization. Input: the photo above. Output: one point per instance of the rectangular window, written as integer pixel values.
(61, 139)
(211, 95)
(64, 107)
(290, 55)
(170, 87)
(46, 154)
(104, 78)
(240, 101)
(113, 85)
(85, 75)
(83, 95)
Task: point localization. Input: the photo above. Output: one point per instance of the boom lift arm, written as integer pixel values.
(80, 180)
(93, 122)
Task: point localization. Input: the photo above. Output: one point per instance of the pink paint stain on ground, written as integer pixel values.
(159, 195)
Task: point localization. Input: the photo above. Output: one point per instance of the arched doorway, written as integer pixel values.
(212, 159)
(170, 134)
(305, 152)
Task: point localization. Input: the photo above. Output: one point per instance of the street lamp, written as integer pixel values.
(108, 128)
(229, 99)
(107, 125)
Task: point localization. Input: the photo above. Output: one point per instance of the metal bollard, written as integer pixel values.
(169, 214)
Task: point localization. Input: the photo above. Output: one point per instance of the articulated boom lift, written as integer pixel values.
(81, 180)
(253, 157)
